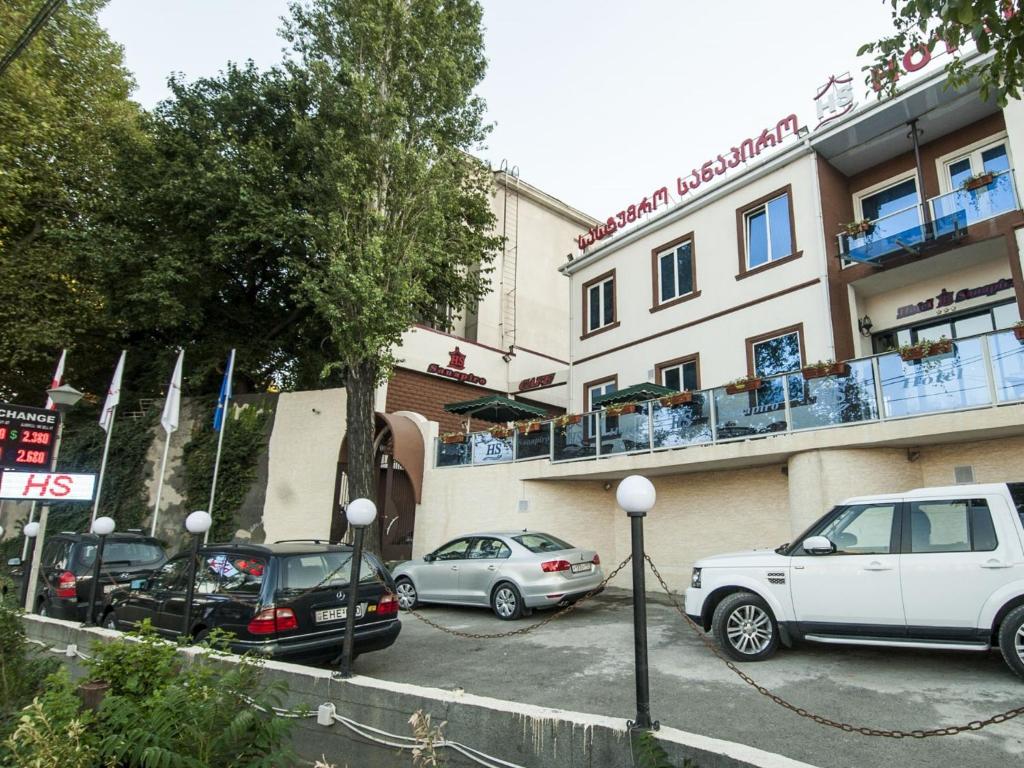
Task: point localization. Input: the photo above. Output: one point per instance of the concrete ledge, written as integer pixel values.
(518, 734)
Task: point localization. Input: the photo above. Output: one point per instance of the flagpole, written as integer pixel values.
(103, 466)
(160, 484)
(220, 438)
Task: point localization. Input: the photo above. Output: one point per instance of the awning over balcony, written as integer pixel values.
(633, 394)
(496, 408)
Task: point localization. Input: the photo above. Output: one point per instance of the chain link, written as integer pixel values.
(522, 630)
(975, 725)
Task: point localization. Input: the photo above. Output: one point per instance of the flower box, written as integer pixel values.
(977, 182)
(855, 228)
(821, 371)
(681, 398)
(747, 385)
(528, 427)
(1018, 331)
(619, 410)
(452, 438)
(501, 433)
(928, 349)
(566, 419)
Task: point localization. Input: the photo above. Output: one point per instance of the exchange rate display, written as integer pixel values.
(27, 436)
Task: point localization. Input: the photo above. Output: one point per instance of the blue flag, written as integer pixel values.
(225, 394)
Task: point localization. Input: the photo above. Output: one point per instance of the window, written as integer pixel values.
(243, 575)
(323, 569)
(171, 575)
(674, 272)
(541, 542)
(455, 550)
(767, 231)
(775, 353)
(55, 555)
(892, 199)
(599, 304)
(681, 374)
(123, 552)
(990, 159)
(1017, 494)
(489, 549)
(591, 391)
(961, 326)
(951, 526)
(862, 529)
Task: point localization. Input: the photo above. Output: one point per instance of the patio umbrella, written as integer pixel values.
(495, 408)
(633, 394)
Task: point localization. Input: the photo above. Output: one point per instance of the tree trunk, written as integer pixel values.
(360, 388)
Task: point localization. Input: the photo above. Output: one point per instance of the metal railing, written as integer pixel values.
(951, 214)
(984, 371)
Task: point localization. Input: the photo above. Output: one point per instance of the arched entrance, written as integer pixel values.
(398, 453)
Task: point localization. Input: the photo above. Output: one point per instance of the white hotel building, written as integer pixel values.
(891, 226)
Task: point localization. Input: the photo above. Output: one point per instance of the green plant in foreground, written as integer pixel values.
(21, 672)
(648, 753)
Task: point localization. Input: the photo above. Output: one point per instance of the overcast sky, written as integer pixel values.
(598, 102)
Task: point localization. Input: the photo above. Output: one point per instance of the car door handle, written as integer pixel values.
(877, 566)
(995, 564)
(455, 567)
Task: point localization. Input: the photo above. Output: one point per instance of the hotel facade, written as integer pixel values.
(707, 317)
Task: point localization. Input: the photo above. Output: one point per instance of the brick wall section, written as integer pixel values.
(427, 394)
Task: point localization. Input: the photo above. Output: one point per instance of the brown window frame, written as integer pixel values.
(660, 368)
(585, 319)
(587, 405)
(752, 340)
(741, 233)
(656, 253)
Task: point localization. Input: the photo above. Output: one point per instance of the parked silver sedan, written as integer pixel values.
(512, 572)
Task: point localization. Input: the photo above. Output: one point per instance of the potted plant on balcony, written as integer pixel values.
(743, 384)
(500, 431)
(857, 228)
(450, 438)
(679, 398)
(923, 349)
(617, 409)
(526, 427)
(1018, 331)
(978, 180)
(566, 419)
(824, 368)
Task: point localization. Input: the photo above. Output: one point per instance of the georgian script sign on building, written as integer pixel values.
(748, 149)
(948, 298)
(47, 486)
(455, 369)
(27, 436)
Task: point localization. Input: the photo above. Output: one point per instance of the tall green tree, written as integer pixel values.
(992, 26)
(65, 115)
(401, 221)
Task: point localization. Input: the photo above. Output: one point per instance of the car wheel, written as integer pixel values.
(407, 596)
(44, 608)
(506, 602)
(1011, 639)
(744, 627)
(110, 620)
(201, 636)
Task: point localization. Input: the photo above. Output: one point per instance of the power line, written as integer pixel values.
(45, 12)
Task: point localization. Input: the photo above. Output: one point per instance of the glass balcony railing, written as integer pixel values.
(977, 372)
(950, 216)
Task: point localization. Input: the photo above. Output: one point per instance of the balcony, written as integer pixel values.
(951, 214)
(979, 372)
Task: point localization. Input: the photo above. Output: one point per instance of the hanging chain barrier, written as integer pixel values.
(953, 730)
(523, 630)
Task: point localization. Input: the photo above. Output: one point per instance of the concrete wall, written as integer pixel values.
(522, 735)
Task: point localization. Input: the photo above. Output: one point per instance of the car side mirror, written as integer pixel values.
(429, 558)
(818, 545)
(139, 583)
(14, 562)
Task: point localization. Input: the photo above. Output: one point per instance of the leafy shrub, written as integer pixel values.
(135, 669)
(21, 672)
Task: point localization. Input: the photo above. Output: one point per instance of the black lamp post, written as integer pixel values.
(360, 513)
(31, 531)
(102, 527)
(636, 495)
(198, 523)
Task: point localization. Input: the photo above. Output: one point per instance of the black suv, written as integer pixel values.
(65, 570)
(285, 601)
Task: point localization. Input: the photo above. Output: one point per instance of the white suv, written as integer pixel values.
(931, 568)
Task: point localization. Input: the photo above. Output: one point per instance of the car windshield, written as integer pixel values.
(327, 569)
(541, 542)
(122, 553)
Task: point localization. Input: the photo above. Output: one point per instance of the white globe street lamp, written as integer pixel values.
(360, 513)
(197, 523)
(31, 530)
(636, 495)
(102, 527)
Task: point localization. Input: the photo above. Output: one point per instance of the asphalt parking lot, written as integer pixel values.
(584, 662)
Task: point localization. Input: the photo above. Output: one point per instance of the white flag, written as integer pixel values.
(113, 395)
(58, 375)
(172, 405)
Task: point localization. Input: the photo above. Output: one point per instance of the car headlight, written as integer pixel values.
(695, 579)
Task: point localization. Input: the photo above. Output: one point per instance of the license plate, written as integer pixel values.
(338, 614)
(581, 567)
